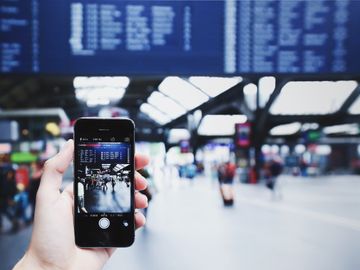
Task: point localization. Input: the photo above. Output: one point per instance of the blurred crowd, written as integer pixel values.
(18, 188)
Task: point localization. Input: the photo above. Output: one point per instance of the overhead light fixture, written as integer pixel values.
(100, 91)
(214, 86)
(287, 129)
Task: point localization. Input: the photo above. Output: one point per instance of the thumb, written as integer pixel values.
(54, 169)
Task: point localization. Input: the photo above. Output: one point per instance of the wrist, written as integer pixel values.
(29, 262)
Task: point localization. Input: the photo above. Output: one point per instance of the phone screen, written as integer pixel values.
(103, 177)
(104, 182)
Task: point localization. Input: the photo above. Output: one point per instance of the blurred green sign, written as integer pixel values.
(23, 157)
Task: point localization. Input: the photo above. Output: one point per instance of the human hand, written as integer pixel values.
(52, 244)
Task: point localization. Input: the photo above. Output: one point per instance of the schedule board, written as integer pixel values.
(114, 37)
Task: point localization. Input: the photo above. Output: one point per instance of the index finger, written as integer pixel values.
(141, 161)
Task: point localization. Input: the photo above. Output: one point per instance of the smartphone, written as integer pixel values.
(104, 182)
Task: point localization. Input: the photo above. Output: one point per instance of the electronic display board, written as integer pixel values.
(114, 37)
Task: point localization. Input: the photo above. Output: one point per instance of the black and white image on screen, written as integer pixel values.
(103, 178)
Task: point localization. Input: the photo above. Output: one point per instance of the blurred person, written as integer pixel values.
(8, 205)
(226, 174)
(52, 244)
(221, 173)
(230, 170)
(303, 167)
(274, 168)
(35, 176)
(22, 204)
(191, 170)
(81, 196)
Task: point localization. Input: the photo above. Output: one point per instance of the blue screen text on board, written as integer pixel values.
(109, 37)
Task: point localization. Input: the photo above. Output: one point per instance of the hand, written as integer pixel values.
(52, 245)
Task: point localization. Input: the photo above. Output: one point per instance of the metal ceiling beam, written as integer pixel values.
(263, 114)
(57, 112)
(322, 120)
(349, 101)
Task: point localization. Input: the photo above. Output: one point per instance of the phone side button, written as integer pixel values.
(104, 223)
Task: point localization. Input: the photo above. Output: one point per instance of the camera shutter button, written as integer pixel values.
(104, 223)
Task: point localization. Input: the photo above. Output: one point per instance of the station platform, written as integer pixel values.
(312, 223)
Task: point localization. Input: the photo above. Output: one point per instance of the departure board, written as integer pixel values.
(115, 37)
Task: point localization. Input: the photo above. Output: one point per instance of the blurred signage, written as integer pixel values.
(312, 136)
(242, 135)
(9, 130)
(22, 176)
(184, 146)
(23, 157)
(5, 148)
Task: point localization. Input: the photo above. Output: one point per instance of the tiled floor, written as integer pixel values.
(311, 224)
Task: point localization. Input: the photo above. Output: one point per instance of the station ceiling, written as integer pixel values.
(54, 92)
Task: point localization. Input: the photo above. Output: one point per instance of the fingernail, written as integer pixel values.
(67, 144)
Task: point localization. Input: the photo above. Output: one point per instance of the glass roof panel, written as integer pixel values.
(312, 97)
(166, 104)
(214, 86)
(155, 114)
(212, 125)
(183, 92)
(355, 107)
